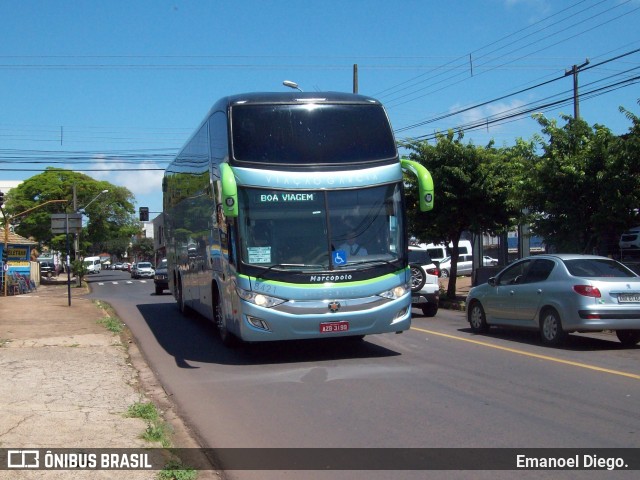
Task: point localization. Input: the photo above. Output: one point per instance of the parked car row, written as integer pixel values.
(120, 266)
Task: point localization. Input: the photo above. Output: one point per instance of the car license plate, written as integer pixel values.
(629, 298)
(330, 327)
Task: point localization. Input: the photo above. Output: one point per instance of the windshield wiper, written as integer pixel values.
(283, 267)
(365, 262)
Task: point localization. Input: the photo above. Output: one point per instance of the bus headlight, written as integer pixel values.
(259, 299)
(396, 292)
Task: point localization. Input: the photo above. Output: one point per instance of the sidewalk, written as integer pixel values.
(67, 382)
(463, 285)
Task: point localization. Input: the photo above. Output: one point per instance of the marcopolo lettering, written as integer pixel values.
(330, 278)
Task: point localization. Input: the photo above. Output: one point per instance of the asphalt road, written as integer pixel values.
(437, 385)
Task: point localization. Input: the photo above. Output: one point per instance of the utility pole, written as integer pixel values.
(574, 71)
(355, 78)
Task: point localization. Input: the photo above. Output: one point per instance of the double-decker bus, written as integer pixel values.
(264, 204)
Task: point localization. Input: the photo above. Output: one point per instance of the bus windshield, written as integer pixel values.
(311, 134)
(320, 230)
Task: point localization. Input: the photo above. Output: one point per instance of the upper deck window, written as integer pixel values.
(311, 134)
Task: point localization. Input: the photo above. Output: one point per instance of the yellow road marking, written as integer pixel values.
(534, 355)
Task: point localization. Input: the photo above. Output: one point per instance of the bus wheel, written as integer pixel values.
(181, 303)
(228, 338)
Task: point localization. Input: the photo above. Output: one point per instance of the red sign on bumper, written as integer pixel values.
(329, 327)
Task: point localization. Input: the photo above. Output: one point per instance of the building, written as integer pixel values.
(18, 250)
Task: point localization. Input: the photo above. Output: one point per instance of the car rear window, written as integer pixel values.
(597, 268)
(144, 265)
(420, 257)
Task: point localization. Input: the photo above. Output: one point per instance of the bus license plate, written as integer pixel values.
(330, 327)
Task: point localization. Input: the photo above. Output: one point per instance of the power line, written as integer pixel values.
(504, 118)
(449, 83)
(472, 107)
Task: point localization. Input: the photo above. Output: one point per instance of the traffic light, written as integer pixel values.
(144, 214)
(1, 198)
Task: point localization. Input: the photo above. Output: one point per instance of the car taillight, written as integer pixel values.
(433, 271)
(587, 291)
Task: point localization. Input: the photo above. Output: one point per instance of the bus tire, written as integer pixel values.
(182, 306)
(228, 339)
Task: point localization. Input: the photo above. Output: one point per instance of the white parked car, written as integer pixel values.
(143, 270)
(630, 239)
(489, 261)
(465, 265)
(425, 289)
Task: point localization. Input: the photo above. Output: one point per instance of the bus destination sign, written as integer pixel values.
(285, 197)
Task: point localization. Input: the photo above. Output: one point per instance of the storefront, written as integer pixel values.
(18, 257)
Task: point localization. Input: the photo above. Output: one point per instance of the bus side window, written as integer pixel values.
(233, 235)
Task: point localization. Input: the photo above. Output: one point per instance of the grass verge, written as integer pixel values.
(111, 321)
(158, 431)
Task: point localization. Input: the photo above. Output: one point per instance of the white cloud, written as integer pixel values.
(491, 110)
(139, 182)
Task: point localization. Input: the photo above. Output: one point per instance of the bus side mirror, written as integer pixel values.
(229, 191)
(425, 183)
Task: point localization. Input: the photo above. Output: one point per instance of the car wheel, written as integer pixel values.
(551, 330)
(444, 273)
(477, 318)
(158, 290)
(418, 277)
(628, 338)
(430, 310)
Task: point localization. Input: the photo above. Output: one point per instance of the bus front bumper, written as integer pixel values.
(322, 319)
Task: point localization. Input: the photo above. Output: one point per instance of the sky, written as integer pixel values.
(114, 89)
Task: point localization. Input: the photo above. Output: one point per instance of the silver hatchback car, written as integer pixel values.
(558, 294)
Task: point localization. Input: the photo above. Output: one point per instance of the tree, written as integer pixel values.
(474, 191)
(143, 249)
(109, 217)
(583, 189)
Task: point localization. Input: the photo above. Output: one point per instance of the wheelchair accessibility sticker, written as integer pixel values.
(339, 257)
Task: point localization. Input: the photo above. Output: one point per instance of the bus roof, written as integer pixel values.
(295, 97)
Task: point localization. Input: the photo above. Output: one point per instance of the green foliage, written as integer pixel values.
(175, 470)
(578, 186)
(112, 324)
(584, 189)
(144, 410)
(157, 430)
(143, 249)
(109, 216)
(474, 191)
(79, 269)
